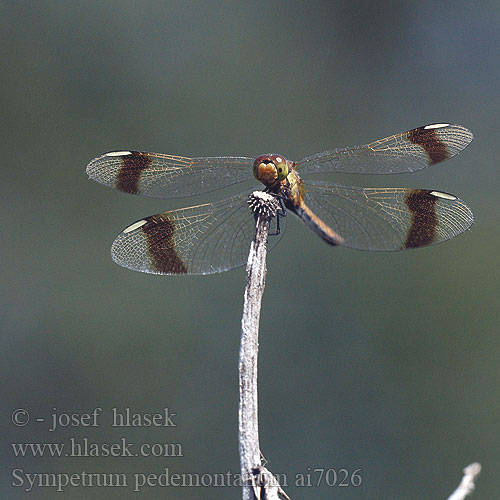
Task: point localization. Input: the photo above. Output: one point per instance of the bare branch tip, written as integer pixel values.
(473, 469)
(467, 485)
(263, 204)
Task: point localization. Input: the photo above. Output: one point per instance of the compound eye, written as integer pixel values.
(281, 166)
(270, 169)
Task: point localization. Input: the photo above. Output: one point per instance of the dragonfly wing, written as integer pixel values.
(202, 239)
(388, 218)
(165, 176)
(399, 153)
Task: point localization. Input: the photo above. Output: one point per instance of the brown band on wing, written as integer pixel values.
(159, 233)
(131, 170)
(429, 140)
(424, 220)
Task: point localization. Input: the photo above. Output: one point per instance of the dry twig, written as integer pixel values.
(466, 486)
(257, 484)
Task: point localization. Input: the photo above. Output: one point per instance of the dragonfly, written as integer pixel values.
(215, 237)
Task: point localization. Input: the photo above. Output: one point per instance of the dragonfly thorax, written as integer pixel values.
(270, 169)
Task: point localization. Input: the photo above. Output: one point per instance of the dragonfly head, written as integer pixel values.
(270, 169)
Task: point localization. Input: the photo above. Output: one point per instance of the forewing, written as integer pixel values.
(202, 239)
(388, 218)
(165, 176)
(399, 153)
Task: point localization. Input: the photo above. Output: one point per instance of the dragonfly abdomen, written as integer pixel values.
(314, 223)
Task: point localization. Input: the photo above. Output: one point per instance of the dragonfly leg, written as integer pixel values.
(281, 212)
(281, 196)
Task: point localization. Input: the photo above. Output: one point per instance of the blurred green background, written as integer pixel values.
(382, 362)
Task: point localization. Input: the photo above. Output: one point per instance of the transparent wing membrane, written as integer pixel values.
(165, 176)
(388, 218)
(405, 152)
(202, 239)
